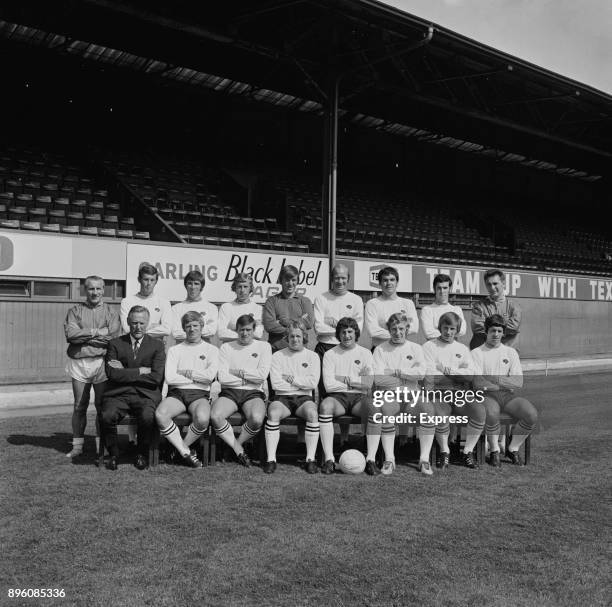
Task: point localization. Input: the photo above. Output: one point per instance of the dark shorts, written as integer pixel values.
(347, 399)
(187, 396)
(293, 401)
(241, 396)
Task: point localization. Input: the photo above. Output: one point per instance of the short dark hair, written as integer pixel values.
(139, 310)
(495, 320)
(147, 268)
(442, 278)
(347, 323)
(388, 271)
(298, 324)
(288, 271)
(450, 318)
(190, 317)
(493, 272)
(194, 276)
(246, 319)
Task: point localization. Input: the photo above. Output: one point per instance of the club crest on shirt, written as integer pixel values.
(458, 355)
(403, 311)
(505, 361)
(357, 362)
(304, 365)
(409, 356)
(157, 310)
(349, 306)
(202, 357)
(254, 355)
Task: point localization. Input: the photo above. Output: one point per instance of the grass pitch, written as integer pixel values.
(226, 535)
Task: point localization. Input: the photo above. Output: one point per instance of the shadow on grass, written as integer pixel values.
(58, 441)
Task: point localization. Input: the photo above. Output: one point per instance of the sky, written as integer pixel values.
(570, 37)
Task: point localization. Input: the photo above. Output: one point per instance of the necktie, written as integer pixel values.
(136, 347)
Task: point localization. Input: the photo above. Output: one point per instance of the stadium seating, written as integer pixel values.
(44, 191)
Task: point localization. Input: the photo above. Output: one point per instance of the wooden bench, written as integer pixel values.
(184, 419)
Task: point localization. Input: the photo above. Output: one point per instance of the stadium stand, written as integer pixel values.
(44, 191)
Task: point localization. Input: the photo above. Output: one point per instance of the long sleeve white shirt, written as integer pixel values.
(500, 365)
(201, 359)
(231, 311)
(407, 357)
(355, 363)
(304, 366)
(207, 310)
(430, 316)
(334, 306)
(455, 356)
(378, 311)
(255, 359)
(160, 314)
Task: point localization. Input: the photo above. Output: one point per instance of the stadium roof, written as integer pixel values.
(397, 72)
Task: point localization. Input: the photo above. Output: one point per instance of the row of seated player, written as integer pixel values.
(214, 241)
(56, 228)
(60, 216)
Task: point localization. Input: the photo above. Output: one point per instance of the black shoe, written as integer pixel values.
(191, 460)
(371, 468)
(514, 457)
(112, 463)
(329, 467)
(141, 462)
(269, 467)
(494, 459)
(443, 460)
(468, 460)
(244, 460)
(311, 466)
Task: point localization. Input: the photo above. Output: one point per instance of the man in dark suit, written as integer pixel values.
(135, 369)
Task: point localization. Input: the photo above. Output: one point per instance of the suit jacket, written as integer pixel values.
(128, 380)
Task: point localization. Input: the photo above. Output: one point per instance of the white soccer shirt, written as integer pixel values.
(456, 356)
(255, 359)
(407, 357)
(231, 311)
(305, 366)
(500, 365)
(378, 311)
(355, 363)
(334, 306)
(160, 313)
(207, 311)
(430, 316)
(202, 359)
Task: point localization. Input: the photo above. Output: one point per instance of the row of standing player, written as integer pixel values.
(90, 326)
